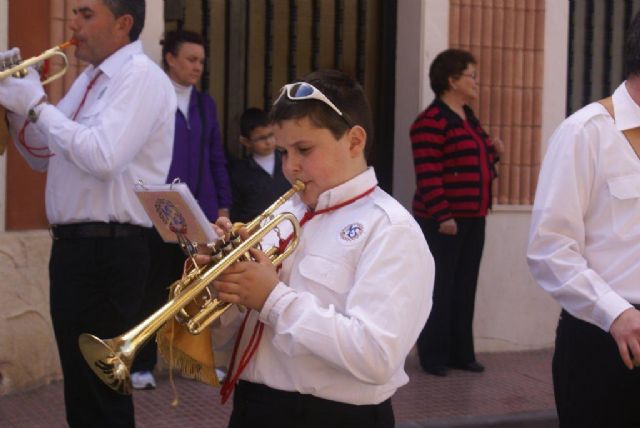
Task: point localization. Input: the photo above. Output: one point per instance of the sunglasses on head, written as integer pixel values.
(306, 91)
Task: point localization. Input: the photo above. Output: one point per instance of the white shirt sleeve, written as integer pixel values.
(33, 138)
(386, 309)
(558, 235)
(123, 123)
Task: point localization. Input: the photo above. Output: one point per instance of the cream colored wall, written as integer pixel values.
(153, 30)
(512, 312)
(4, 34)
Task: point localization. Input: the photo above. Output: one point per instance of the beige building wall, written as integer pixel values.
(4, 34)
(512, 312)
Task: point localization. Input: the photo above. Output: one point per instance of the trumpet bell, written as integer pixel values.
(111, 359)
(108, 365)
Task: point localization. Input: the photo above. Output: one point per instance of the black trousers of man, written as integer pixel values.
(96, 287)
(166, 266)
(447, 338)
(593, 388)
(257, 405)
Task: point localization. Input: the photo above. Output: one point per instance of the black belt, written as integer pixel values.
(268, 394)
(96, 230)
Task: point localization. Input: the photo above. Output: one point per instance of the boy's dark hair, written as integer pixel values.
(632, 48)
(251, 119)
(174, 39)
(448, 63)
(347, 95)
(135, 8)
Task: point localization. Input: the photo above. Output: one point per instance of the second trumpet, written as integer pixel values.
(111, 359)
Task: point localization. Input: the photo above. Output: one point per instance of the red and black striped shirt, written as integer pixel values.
(454, 162)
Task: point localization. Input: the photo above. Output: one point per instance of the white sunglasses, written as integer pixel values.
(306, 91)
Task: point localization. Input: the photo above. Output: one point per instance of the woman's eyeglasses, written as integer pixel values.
(306, 91)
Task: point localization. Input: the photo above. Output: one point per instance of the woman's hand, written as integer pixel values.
(498, 144)
(448, 227)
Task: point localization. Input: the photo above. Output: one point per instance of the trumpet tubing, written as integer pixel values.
(111, 359)
(12, 65)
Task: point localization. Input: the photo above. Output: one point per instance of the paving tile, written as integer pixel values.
(513, 383)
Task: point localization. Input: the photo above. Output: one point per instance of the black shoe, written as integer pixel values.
(436, 370)
(473, 366)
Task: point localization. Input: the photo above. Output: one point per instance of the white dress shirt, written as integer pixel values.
(122, 134)
(584, 241)
(352, 300)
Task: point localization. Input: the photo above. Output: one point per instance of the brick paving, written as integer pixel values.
(516, 385)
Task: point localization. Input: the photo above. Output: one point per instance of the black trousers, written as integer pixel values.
(257, 405)
(166, 265)
(96, 287)
(592, 386)
(447, 338)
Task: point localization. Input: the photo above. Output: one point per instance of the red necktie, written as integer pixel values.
(251, 348)
(86, 92)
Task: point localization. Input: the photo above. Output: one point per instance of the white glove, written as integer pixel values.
(19, 95)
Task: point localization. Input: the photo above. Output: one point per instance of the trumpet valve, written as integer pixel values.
(10, 59)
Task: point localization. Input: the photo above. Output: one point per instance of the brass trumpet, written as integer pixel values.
(11, 65)
(111, 359)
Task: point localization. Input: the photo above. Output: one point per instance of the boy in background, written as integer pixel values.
(257, 180)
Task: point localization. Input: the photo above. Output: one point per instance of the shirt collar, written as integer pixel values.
(116, 61)
(627, 112)
(345, 191)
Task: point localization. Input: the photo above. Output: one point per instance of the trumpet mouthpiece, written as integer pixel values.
(68, 43)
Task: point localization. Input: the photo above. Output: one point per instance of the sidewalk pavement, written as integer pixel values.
(514, 391)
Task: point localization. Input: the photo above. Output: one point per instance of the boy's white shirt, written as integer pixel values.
(351, 301)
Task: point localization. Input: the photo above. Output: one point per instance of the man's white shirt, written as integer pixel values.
(123, 134)
(584, 245)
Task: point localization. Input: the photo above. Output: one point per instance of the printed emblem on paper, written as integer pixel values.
(171, 216)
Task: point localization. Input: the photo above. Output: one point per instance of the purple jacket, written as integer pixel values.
(202, 167)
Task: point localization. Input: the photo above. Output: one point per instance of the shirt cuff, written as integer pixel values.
(275, 304)
(608, 308)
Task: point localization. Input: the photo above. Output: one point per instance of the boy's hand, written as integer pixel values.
(248, 283)
(222, 228)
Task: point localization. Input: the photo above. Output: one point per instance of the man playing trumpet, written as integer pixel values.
(113, 128)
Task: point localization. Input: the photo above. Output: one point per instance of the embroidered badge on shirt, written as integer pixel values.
(352, 232)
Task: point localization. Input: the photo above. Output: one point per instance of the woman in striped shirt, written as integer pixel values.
(454, 161)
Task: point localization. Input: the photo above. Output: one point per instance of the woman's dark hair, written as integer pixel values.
(251, 119)
(135, 8)
(449, 63)
(632, 48)
(174, 39)
(343, 91)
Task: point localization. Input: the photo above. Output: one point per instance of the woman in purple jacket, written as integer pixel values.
(199, 161)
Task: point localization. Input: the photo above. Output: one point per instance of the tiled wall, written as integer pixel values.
(507, 39)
